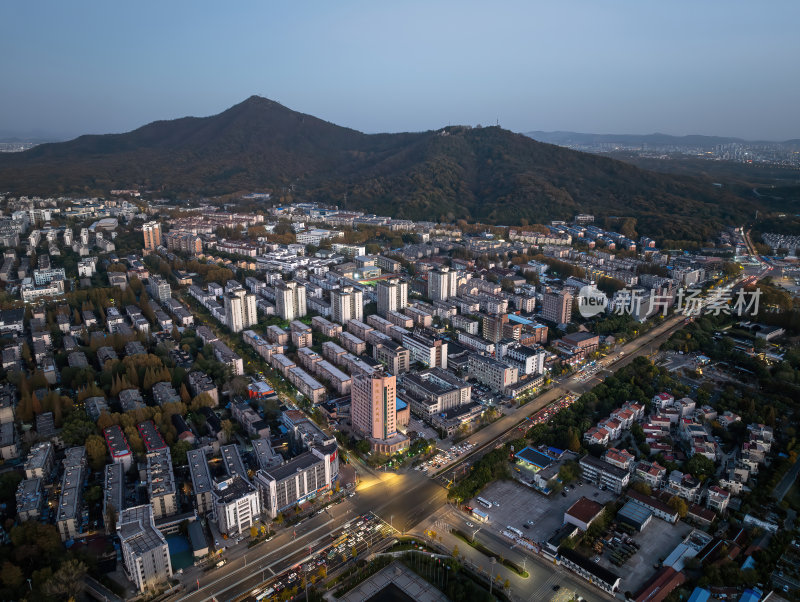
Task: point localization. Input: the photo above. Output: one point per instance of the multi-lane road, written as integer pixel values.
(405, 499)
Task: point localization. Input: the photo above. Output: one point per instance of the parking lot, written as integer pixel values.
(519, 504)
(445, 456)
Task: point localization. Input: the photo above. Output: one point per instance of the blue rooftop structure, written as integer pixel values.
(532, 456)
(400, 405)
(751, 595)
(699, 595)
(555, 451)
(519, 319)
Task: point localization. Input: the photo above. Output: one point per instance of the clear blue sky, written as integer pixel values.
(681, 67)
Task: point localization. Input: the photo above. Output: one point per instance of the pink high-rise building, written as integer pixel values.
(373, 412)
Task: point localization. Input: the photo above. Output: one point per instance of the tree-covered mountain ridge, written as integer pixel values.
(487, 174)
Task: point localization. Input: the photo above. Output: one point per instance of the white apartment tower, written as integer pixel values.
(290, 300)
(240, 310)
(347, 304)
(392, 295)
(442, 284)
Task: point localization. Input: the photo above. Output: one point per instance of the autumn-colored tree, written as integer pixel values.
(104, 420)
(185, 396)
(96, 450)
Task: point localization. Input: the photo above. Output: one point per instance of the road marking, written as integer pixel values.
(262, 557)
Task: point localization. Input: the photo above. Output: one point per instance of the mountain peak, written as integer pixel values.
(488, 174)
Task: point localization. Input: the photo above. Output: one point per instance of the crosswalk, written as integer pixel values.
(545, 589)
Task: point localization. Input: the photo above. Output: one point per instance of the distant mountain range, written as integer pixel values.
(487, 174)
(693, 141)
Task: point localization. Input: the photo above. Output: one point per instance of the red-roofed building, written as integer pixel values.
(596, 435)
(660, 586)
(118, 446)
(718, 498)
(663, 400)
(620, 458)
(583, 513)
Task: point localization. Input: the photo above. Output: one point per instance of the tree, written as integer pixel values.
(700, 467)
(642, 487)
(179, 452)
(93, 494)
(679, 505)
(362, 446)
(67, 581)
(11, 575)
(96, 450)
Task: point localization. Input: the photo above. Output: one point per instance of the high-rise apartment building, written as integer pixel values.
(240, 310)
(442, 284)
(557, 307)
(347, 304)
(392, 295)
(145, 552)
(152, 236)
(373, 411)
(290, 300)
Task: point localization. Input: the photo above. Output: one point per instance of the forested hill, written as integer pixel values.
(488, 174)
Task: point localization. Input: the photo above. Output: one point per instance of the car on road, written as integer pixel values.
(556, 587)
(496, 504)
(469, 524)
(526, 526)
(563, 494)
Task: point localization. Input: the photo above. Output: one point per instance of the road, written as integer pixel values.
(488, 437)
(407, 499)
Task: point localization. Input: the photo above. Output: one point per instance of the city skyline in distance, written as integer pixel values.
(587, 68)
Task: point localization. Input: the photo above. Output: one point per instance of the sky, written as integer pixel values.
(714, 67)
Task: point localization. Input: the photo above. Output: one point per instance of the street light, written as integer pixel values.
(492, 562)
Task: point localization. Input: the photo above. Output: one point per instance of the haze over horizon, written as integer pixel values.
(712, 68)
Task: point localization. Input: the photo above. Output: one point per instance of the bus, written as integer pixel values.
(340, 540)
(265, 594)
(484, 503)
(514, 530)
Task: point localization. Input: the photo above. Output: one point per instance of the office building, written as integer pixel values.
(236, 505)
(557, 306)
(394, 356)
(392, 295)
(240, 310)
(425, 349)
(434, 391)
(145, 552)
(604, 474)
(347, 304)
(152, 236)
(290, 300)
(493, 373)
(301, 478)
(373, 412)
